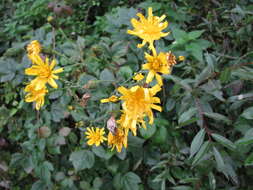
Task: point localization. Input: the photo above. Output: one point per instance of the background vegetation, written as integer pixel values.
(202, 139)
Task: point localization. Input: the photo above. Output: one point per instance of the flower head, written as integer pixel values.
(158, 64)
(148, 29)
(95, 136)
(138, 102)
(126, 125)
(138, 77)
(35, 95)
(118, 140)
(34, 47)
(110, 99)
(181, 58)
(44, 72)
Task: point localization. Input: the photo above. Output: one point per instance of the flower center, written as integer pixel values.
(156, 64)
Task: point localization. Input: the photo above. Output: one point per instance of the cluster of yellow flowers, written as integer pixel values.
(44, 71)
(139, 100)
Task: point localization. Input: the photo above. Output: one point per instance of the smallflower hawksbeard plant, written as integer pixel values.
(44, 72)
(139, 101)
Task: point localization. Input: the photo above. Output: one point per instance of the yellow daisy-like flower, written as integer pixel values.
(34, 95)
(34, 47)
(148, 29)
(138, 102)
(138, 77)
(118, 140)
(181, 58)
(158, 64)
(95, 136)
(110, 99)
(133, 129)
(44, 72)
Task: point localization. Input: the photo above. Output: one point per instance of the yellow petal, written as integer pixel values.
(52, 83)
(159, 79)
(150, 76)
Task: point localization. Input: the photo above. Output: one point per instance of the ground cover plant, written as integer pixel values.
(126, 95)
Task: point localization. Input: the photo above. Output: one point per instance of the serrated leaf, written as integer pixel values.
(197, 142)
(82, 159)
(224, 141)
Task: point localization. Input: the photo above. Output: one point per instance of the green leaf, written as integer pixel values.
(130, 181)
(182, 187)
(224, 141)
(195, 34)
(248, 113)
(57, 112)
(245, 141)
(249, 160)
(82, 159)
(207, 71)
(212, 181)
(218, 117)
(125, 72)
(187, 115)
(220, 162)
(148, 132)
(195, 50)
(197, 142)
(225, 75)
(204, 148)
(160, 135)
(101, 152)
(106, 75)
(39, 185)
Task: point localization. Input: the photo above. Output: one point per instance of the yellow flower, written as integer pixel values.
(138, 102)
(133, 129)
(34, 47)
(138, 77)
(181, 58)
(95, 136)
(110, 99)
(44, 72)
(35, 95)
(118, 140)
(158, 64)
(148, 29)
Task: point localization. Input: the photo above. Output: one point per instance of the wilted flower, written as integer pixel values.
(33, 47)
(111, 125)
